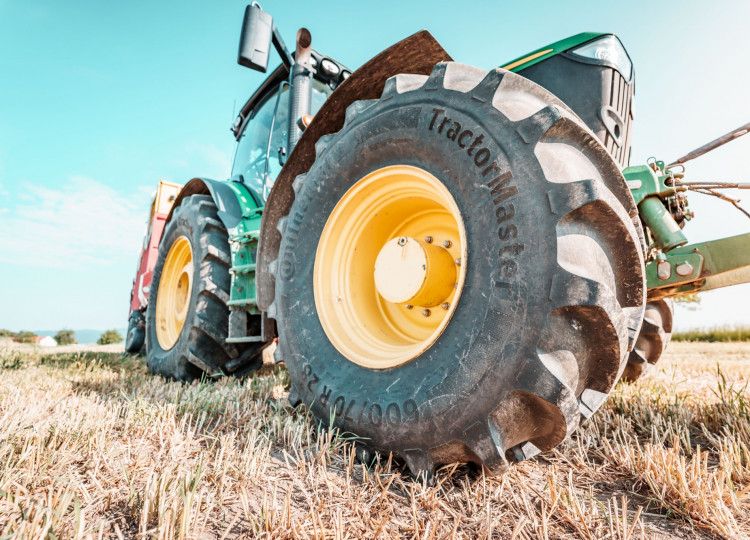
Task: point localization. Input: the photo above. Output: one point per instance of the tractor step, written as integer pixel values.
(243, 269)
(246, 339)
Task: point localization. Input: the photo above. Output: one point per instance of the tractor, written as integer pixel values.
(457, 264)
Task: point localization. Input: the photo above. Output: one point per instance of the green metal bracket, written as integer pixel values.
(644, 181)
(711, 265)
(649, 188)
(680, 269)
(675, 268)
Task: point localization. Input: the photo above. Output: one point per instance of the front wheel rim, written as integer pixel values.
(390, 267)
(174, 293)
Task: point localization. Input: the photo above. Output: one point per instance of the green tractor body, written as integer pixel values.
(569, 112)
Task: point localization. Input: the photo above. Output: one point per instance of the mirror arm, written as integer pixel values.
(280, 46)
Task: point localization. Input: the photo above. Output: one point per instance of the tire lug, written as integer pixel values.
(447, 244)
(426, 312)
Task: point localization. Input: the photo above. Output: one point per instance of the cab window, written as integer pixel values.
(250, 156)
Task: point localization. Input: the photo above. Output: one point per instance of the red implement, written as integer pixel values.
(160, 206)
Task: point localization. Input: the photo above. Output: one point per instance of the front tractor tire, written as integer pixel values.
(653, 339)
(460, 276)
(187, 317)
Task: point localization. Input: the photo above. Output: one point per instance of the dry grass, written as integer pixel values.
(92, 446)
(715, 334)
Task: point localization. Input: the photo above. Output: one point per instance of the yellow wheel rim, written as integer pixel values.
(174, 293)
(390, 267)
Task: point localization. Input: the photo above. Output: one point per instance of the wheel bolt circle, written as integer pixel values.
(410, 271)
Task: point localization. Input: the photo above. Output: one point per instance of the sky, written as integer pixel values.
(100, 100)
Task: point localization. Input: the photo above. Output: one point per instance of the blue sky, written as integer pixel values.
(100, 100)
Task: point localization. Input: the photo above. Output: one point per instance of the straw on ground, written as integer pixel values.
(92, 446)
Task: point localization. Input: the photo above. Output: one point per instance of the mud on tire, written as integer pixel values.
(554, 286)
(201, 347)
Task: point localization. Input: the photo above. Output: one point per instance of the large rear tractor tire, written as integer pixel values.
(459, 277)
(187, 317)
(652, 340)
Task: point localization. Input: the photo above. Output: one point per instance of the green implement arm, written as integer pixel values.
(700, 267)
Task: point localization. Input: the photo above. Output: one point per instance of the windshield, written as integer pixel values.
(250, 156)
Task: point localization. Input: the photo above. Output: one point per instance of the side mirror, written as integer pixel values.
(255, 40)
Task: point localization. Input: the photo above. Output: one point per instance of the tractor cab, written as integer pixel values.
(262, 126)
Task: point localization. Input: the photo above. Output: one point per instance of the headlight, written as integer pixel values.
(606, 50)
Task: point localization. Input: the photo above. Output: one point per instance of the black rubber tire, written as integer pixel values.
(541, 332)
(201, 347)
(652, 340)
(135, 339)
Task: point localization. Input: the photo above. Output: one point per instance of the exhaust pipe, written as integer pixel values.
(301, 86)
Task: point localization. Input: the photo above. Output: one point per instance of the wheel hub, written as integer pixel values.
(415, 273)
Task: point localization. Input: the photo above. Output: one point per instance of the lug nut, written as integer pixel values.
(458, 262)
(447, 244)
(408, 306)
(402, 241)
(445, 305)
(426, 312)
(428, 239)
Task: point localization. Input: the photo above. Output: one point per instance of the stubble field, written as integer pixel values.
(91, 446)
